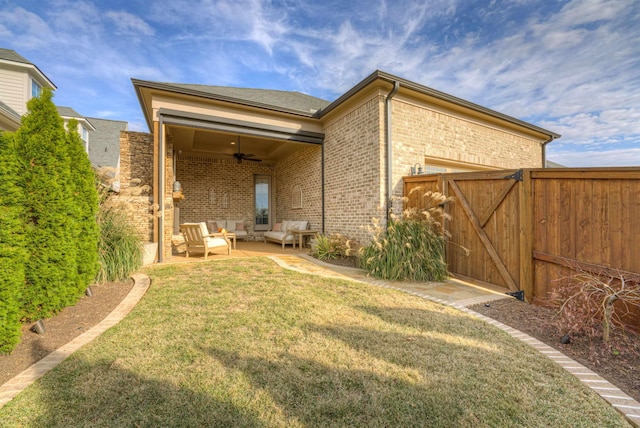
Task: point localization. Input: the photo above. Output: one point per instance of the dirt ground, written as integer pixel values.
(62, 328)
(622, 369)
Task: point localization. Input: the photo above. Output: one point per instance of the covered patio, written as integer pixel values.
(243, 249)
(223, 158)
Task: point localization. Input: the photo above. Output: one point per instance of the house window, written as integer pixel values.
(262, 202)
(84, 133)
(296, 197)
(36, 89)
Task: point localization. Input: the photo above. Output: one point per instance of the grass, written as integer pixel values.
(246, 343)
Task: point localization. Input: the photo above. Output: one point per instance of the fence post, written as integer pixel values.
(526, 234)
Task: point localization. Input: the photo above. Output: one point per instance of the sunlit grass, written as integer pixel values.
(246, 343)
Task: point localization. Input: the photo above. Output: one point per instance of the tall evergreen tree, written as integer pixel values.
(85, 197)
(12, 253)
(51, 271)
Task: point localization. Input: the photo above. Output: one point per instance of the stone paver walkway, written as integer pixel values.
(460, 295)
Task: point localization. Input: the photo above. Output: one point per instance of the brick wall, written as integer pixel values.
(302, 168)
(354, 166)
(205, 181)
(136, 180)
(419, 132)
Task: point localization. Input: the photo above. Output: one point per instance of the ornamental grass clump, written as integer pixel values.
(410, 248)
(120, 248)
(332, 247)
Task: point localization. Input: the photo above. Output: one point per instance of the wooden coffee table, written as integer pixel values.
(300, 234)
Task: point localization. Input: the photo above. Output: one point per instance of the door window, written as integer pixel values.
(262, 202)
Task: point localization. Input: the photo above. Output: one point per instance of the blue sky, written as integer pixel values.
(571, 66)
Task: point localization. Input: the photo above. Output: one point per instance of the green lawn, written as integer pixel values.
(247, 343)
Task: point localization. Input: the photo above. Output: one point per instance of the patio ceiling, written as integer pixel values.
(222, 145)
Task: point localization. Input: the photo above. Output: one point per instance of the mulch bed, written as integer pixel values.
(62, 328)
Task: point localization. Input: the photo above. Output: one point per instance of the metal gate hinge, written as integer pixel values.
(516, 175)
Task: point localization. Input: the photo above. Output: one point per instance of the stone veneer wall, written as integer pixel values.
(419, 131)
(136, 180)
(303, 168)
(168, 198)
(199, 176)
(354, 164)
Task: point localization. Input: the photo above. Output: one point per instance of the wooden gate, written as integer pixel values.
(529, 229)
(485, 244)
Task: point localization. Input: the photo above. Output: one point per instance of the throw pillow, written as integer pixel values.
(212, 226)
(239, 226)
(277, 227)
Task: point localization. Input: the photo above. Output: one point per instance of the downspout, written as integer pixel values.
(396, 86)
(322, 178)
(161, 159)
(544, 151)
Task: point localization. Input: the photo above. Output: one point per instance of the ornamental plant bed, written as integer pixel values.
(68, 324)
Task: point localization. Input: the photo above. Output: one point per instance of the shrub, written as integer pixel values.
(331, 247)
(85, 202)
(409, 248)
(12, 253)
(596, 305)
(120, 249)
(51, 225)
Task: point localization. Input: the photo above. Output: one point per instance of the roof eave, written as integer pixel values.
(381, 75)
(34, 68)
(138, 84)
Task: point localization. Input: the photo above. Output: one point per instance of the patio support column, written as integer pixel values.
(161, 190)
(156, 188)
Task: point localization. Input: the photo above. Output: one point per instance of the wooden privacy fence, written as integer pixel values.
(529, 229)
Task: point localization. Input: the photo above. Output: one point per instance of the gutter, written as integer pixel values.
(544, 151)
(396, 86)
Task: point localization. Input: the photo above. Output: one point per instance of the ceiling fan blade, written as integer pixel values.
(253, 160)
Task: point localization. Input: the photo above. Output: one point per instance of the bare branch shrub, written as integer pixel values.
(597, 306)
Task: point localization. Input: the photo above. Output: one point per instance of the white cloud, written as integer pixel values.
(24, 28)
(129, 25)
(569, 66)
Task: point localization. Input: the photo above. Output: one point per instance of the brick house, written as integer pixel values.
(292, 156)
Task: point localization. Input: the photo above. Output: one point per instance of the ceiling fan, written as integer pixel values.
(243, 156)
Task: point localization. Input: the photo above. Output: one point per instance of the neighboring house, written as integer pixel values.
(265, 156)
(550, 164)
(20, 80)
(104, 150)
(84, 126)
(101, 138)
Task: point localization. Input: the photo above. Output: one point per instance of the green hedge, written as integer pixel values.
(85, 203)
(12, 251)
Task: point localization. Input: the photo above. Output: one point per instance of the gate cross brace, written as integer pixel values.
(496, 203)
(511, 284)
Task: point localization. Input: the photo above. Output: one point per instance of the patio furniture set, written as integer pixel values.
(200, 238)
